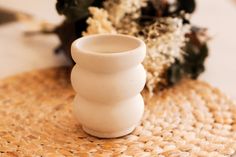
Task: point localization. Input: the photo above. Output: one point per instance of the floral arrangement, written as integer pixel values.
(175, 48)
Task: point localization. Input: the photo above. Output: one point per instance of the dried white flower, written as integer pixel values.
(99, 22)
(118, 9)
(165, 40)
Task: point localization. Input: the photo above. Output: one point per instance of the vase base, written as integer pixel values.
(108, 135)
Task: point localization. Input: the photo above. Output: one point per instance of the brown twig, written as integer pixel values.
(8, 16)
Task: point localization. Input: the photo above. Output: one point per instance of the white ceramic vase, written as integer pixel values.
(108, 78)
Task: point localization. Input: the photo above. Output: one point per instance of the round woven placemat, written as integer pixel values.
(190, 119)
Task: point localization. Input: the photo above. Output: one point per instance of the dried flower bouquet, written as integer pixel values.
(175, 48)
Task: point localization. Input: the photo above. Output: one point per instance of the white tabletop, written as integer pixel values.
(19, 54)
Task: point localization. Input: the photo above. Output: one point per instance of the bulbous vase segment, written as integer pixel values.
(108, 78)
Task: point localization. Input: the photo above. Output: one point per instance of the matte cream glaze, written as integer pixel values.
(108, 78)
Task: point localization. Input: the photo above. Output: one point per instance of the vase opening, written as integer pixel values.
(108, 44)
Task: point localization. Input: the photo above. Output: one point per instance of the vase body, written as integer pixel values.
(108, 78)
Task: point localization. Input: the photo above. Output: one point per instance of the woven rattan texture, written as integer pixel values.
(190, 119)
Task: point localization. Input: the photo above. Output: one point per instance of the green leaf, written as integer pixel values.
(187, 5)
(174, 73)
(74, 9)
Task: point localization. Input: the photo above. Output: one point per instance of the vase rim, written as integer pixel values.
(83, 43)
